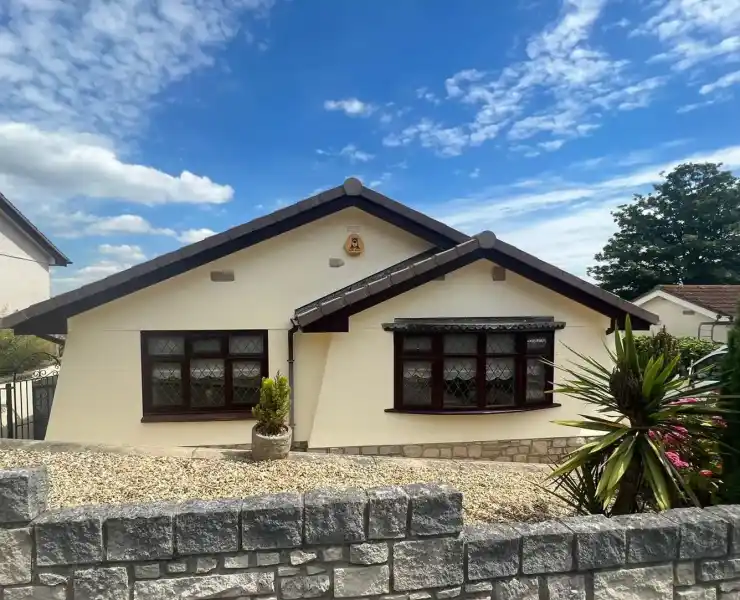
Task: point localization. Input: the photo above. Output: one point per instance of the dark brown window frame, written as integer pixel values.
(437, 356)
(185, 412)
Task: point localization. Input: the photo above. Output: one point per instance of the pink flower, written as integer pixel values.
(680, 432)
(719, 422)
(676, 460)
(653, 435)
(686, 401)
(705, 473)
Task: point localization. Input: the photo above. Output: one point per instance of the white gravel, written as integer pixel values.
(492, 491)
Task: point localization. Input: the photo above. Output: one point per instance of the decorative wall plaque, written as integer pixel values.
(354, 245)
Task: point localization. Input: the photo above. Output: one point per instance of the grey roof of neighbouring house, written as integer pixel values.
(21, 222)
(50, 315)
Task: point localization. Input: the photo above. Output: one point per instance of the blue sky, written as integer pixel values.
(128, 129)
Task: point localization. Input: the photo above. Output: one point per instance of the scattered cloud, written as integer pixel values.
(351, 107)
(723, 82)
(69, 165)
(694, 31)
(123, 253)
(474, 174)
(382, 180)
(551, 145)
(354, 154)
(190, 236)
(97, 66)
(120, 224)
(686, 108)
(445, 141)
(424, 93)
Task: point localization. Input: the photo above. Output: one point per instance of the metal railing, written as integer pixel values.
(25, 402)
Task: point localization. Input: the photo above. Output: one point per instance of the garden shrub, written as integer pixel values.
(274, 405)
(690, 349)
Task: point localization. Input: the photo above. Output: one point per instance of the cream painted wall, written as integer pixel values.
(678, 324)
(357, 379)
(24, 269)
(98, 397)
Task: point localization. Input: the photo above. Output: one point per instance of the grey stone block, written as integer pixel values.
(177, 566)
(643, 583)
(315, 570)
(448, 593)
(109, 583)
(697, 593)
(717, 570)
(242, 561)
(481, 586)
(427, 563)
(729, 586)
(284, 571)
(211, 586)
(387, 509)
(600, 542)
(354, 582)
(435, 509)
(71, 536)
(650, 538)
(22, 494)
(493, 551)
(274, 521)
(566, 587)
(684, 573)
(36, 592)
(703, 534)
(265, 559)
(334, 516)
(332, 553)
(16, 553)
(140, 532)
(518, 588)
(150, 571)
(368, 554)
(300, 557)
(731, 514)
(51, 579)
(547, 547)
(205, 564)
(419, 596)
(204, 527)
(311, 586)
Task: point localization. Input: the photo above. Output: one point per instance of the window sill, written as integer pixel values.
(194, 417)
(493, 411)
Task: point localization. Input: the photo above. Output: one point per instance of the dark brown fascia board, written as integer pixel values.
(28, 228)
(50, 316)
(442, 263)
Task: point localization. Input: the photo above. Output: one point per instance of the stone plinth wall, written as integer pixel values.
(543, 450)
(384, 544)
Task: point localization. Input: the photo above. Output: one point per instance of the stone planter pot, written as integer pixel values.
(267, 447)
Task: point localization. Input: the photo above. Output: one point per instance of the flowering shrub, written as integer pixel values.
(698, 461)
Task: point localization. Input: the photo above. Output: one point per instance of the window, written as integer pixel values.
(472, 371)
(202, 372)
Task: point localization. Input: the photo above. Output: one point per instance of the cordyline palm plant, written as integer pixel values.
(643, 401)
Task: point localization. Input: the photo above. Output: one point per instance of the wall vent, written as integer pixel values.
(498, 273)
(222, 276)
(336, 262)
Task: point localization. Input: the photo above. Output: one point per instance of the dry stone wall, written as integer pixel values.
(383, 544)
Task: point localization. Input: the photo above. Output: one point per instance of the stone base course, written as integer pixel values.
(543, 450)
(394, 543)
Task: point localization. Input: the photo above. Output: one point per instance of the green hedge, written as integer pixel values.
(691, 349)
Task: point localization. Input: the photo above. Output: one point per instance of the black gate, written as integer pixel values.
(25, 404)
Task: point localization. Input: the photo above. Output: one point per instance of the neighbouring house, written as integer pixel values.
(704, 311)
(26, 256)
(397, 332)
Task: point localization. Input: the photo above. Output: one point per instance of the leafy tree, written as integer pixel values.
(686, 231)
(22, 352)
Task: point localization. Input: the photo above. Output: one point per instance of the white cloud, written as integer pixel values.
(383, 179)
(687, 108)
(190, 236)
(695, 31)
(97, 66)
(723, 82)
(133, 224)
(551, 145)
(124, 252)
(352, 107)
(424, 93)
(68, 165)
(474, 174)
(562, 89)
(354, 154)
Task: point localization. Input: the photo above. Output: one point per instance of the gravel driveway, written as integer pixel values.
(493, 491)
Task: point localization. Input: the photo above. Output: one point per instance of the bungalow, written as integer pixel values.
(397, 332)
